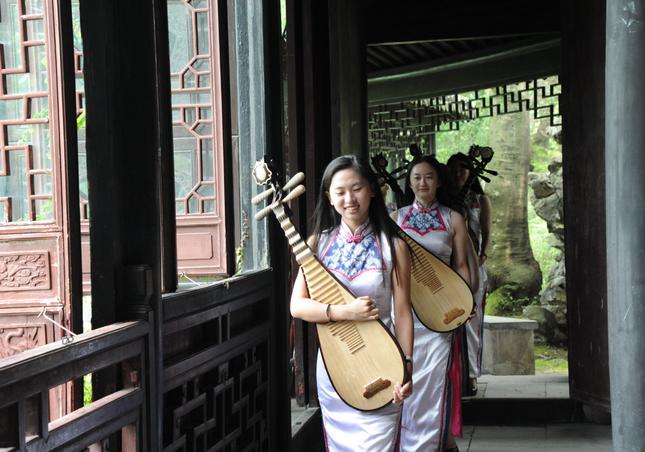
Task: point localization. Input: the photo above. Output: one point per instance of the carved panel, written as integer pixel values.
(224, 408)
(17, 340)
(24, 271)
(16, 337)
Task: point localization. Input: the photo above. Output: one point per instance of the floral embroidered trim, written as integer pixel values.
(351, 255)
(424, 220)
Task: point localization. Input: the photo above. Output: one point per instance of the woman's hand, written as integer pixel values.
(402, 392)
(361, 309)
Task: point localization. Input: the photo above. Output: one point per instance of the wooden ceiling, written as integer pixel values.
(421, 48)
(388, 56)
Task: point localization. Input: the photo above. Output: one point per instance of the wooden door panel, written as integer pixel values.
(29, 268)
(34, 247)
(199, 250)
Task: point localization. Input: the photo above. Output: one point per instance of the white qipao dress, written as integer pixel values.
(363, 263)
(425, 419)
(475, 327)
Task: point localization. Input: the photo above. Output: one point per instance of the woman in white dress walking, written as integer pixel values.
(354, 239)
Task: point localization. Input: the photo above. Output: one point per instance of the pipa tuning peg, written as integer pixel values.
(295, 180)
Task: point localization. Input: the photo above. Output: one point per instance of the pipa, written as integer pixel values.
(363, 359)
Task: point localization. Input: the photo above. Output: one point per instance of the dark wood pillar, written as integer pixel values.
(279, 353)
(309, 146)
(583, 144)
(348, 79)
(127, 89)
(625, 184)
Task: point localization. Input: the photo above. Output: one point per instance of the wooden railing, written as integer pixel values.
(26, 379)
(219, 383)
(217, 379)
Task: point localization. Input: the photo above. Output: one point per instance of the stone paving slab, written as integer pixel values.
(548, 438)
(550, 386)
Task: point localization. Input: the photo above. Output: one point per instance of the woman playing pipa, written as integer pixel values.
(477, 207)
(442, 231)
(355, 241)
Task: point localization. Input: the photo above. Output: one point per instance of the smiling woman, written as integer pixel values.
(349, 194)
(426, 420)
(356, 242)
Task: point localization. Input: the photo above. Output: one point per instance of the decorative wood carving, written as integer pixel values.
(17, 339)
(24, 271)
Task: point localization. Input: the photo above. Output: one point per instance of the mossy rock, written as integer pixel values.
(518, 281)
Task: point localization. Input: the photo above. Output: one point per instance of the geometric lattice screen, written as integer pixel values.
(192, 107)
(397, 126)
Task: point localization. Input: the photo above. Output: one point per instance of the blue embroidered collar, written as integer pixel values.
(423, 220)
(352, 254)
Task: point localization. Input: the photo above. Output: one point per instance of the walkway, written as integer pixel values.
(509, 396)
(541, 437)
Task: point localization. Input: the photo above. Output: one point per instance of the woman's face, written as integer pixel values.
(424, 182)
(350, 194)
(460, 172)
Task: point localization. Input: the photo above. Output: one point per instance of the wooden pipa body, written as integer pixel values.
(440, 297)
(356, 354)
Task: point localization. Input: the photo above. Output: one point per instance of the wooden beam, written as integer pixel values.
(408, 20)
(479, 69)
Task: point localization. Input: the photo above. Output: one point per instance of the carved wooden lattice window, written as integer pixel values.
(25, 151)
(197, 136)
(34, 236)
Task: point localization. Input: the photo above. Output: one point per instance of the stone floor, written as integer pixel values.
(547, 437)
(532, 438)
(548, 386)
(540, 438)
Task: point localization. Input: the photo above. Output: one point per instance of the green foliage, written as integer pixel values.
(239, 259)
(539, 235)
(45, 211)
(502, 302)
(472, 132)
(87, 389)
(541, 157)
(496, 303)
(81, 120)
(544, 149)
(549, 359)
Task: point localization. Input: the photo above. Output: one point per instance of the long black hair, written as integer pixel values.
(463, 159)
(442, 191)
(325, 216)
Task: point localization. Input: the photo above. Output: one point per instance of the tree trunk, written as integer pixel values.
(511, 264)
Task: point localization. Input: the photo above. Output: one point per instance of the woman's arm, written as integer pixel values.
(485, 222)
(309, 310)
(460, 243)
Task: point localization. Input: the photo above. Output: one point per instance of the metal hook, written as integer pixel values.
(65, 339)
